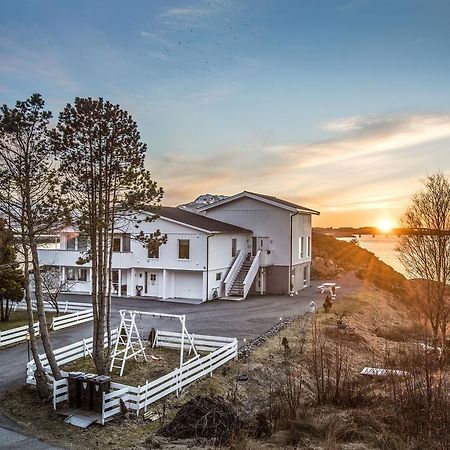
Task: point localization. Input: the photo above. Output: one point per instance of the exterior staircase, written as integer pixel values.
(237, 288)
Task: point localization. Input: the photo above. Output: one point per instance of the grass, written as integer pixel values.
(19, 318)
(136, 372)
(366, 425)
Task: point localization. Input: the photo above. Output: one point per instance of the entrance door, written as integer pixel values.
(153, 285)
(254, 245)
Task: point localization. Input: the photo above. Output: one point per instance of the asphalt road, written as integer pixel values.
(247, 319)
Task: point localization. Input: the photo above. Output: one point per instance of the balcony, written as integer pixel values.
(53, 257)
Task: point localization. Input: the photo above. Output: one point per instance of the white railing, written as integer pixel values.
(220, 350)
(72, 319)
(82, 313)
(67, 354)
(60, 391)
(233, 272)
(64, 257)
(15, 335)
(138, 399)
(251, 273)
(64, 307)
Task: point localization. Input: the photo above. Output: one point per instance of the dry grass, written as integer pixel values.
(136, 372)
(373, 425)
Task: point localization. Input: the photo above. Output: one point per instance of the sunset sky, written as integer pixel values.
(342, 106)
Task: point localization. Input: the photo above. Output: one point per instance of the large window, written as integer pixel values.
(70, 274)
(82, 274)
(153, 250)
(82, 243)
(183, 248)
(75, 274)
(117, 241)
(301, 247)
(71, 243)
(233, 247)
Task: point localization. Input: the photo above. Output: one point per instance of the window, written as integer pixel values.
(305, 276)
(82, 243)
(126, 238)
(82, 274)
(309, 245)
(117, 244)
(70, 274)
(218, 276)
(233, 247)
(183, 248)
(70, 243)
(115, 280)
(301, 245)
(153, 250)
(153, 278)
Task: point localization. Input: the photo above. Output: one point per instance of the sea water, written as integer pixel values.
(385, 247)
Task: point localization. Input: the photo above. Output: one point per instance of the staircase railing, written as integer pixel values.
(251, 273)
(233, 272)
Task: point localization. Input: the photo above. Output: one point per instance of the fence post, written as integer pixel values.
(54, 395)
(103, 408)
(210, 365)
(0, 338)
(84, 348)
(139, 401)
(146, 395)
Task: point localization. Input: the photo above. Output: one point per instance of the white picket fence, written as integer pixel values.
(220, 351)
(15, 335)
(78, 316)
(67, 354)
(72, 319)
(138, 399)
(64, 307)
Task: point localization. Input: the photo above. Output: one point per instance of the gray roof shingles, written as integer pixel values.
(199, 220)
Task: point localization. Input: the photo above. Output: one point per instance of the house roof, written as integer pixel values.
(294, 207)
(199, 221)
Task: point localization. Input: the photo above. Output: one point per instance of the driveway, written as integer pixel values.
(247, 319)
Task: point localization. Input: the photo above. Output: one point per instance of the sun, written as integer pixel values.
(385, 225)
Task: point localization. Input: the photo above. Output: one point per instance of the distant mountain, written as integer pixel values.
(202, 200)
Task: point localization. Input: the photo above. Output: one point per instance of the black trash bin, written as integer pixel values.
(74, 387)
(100, 385)
(86, 391)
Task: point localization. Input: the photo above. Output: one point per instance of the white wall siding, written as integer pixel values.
(263, 219)
(301, 227)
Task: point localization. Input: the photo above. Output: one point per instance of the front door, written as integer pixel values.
(153, 286)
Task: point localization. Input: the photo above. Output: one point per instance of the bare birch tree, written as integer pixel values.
(425, 251)
(28, 183)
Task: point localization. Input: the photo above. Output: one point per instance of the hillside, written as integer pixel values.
(332, 257)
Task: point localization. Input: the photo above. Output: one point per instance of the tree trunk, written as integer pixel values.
(40, 310)
(39, 374)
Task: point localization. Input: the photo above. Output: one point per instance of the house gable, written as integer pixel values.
(267, 199)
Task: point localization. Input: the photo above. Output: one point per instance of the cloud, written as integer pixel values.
(370, 164)
(367, 135)
(194, 16)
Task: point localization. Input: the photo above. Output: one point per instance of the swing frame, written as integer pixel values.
(141, 349)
